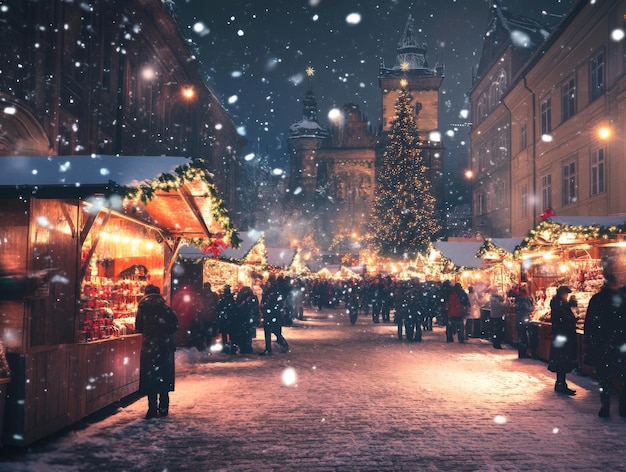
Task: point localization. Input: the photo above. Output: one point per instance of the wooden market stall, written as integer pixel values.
(228, 265)
(100, 228)
(504, 273)
(576, 251)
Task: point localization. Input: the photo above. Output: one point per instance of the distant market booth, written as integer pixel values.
(100, 228)
(247, 264)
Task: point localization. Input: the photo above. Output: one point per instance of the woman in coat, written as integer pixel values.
(157, 322)
(564, 348)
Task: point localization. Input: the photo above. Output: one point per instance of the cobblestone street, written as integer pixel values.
(361, 401)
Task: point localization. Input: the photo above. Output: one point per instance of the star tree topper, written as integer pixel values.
(310, 71)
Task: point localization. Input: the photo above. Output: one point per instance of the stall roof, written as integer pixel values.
(462, 254)
(280, 256)
(188, 210)
(508, 244)
(604, 221)
(77, 171)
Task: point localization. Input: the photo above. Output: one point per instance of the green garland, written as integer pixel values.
(550, 232)
(5, 370)
(183, 174)
(488, 246)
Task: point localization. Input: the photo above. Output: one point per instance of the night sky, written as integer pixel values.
(255, 53)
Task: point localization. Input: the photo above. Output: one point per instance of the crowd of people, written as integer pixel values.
(279, 301)
(412, 305)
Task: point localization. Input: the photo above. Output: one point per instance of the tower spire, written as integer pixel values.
(309, 103)
(411, 55)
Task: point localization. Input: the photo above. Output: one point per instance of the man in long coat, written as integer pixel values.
(157, 323)
(605, 336)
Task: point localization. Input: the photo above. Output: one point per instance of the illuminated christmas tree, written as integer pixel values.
(403, 219)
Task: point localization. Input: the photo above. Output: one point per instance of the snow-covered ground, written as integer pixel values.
(348, 398)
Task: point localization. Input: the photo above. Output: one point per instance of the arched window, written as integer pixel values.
(502, 82)
(494, 94)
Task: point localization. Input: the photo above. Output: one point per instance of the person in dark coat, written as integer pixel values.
(457, 307)
(402, 311)
(605, 333)
(378, 294)
(204, 327)
(524, 308)
(431, 304)
(497, 317)
(353, 300)
(564, 348)
(157, 323)
(247, 319)
(227, 313)
(387, 299)
(273, 311)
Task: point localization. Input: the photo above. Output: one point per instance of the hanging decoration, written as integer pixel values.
(549, 232)
(547, 213)
(215, 247)
(182, 175)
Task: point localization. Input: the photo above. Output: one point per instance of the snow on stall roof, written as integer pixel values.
(508, 244)
(85, 170)
(249, 239)
(462, 254)
(280, 256)
(603, 221)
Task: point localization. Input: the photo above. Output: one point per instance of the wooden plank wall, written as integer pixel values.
(54, 245)
(13, 259)
(62, 384)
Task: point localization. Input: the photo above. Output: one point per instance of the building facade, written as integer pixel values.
(503, 56)
(567, 115)
(115, 78)
(333, 169)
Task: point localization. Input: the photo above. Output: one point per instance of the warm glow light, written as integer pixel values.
(604, 132)
(469, 174)
(403, 82)
(188, 93)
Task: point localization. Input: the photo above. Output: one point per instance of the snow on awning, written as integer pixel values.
(498, 248)
(184, 205)
(572, 230)
(604, 221)
(462, 254)
(81, 171)
(508, 244)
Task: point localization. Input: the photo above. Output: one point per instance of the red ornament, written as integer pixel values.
(215, 248)
(547, 213)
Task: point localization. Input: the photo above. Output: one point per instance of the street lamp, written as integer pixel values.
(604, 132)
